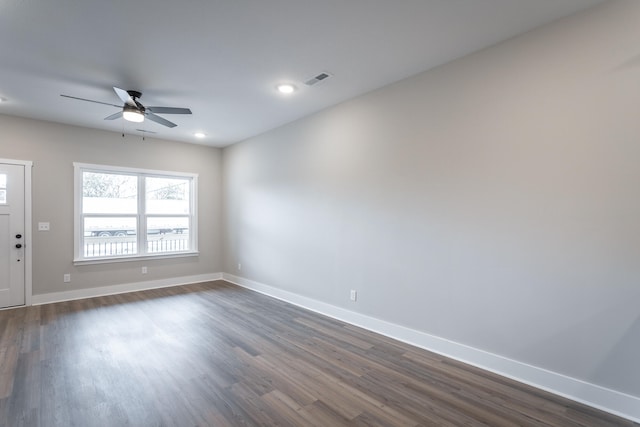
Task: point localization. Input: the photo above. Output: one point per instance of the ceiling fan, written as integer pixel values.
(134, 111)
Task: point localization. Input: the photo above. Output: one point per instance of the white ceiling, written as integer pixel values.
(223, 58)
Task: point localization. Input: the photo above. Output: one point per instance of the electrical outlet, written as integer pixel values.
(66, 278)
(354, 295)
(43, 226)
(144, 270)
(239, 267)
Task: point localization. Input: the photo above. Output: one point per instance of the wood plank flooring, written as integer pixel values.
(213, 354)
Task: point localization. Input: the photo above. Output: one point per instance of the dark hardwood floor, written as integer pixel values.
(214, 354)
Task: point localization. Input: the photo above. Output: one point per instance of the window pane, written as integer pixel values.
(167, 234)
(3, 188)
(109, 193)
(107, 236)
(167, 195)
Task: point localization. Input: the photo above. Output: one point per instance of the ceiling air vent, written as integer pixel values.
(317, 79)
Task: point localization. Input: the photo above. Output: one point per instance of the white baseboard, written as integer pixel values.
(121, 289)
(621, 404)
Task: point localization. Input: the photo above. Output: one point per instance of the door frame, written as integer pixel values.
(28, 227)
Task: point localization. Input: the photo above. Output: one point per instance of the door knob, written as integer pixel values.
(18, 236)
(18, 245)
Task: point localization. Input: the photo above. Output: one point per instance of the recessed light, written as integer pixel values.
(286, 88)
(199, 134)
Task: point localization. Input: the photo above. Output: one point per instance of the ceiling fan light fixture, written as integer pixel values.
(132, 114)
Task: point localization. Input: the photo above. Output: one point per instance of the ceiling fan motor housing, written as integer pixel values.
(139, 108)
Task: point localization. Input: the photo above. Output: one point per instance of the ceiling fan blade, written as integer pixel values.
(114, 116)
(124, 96)
(168, 110)
(91, 100)
(160, 120)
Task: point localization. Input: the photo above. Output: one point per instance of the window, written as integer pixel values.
(124, 213)
(3, 188)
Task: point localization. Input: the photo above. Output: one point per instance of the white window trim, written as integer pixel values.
(78, 246)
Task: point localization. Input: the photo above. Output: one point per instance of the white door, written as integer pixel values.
(12, 240)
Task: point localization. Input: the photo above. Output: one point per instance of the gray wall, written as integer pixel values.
(53, 148)
(493, 201)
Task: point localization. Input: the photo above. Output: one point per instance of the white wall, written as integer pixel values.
(493, 201)
(53, 148)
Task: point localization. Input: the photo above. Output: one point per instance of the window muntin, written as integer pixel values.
(129, 213)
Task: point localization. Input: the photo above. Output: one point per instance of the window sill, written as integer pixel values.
(111, 260)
